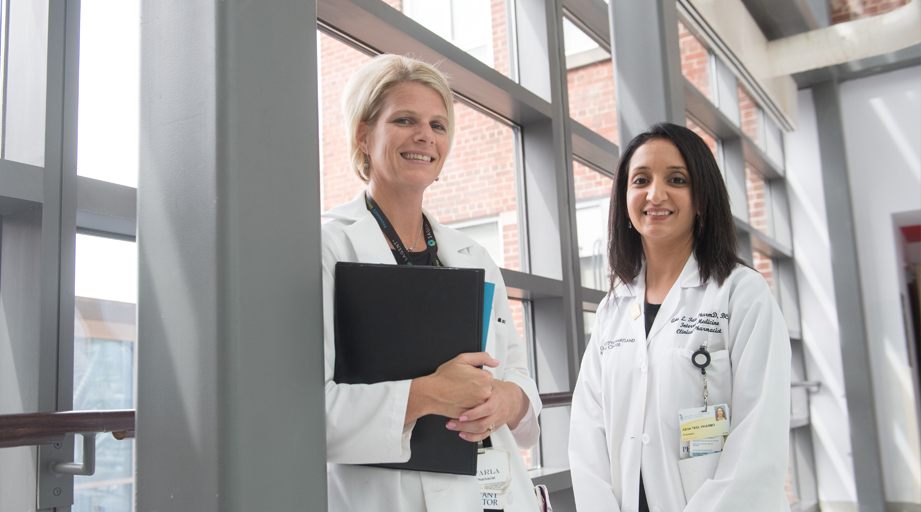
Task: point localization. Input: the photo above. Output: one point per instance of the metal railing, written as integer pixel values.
(50, 428)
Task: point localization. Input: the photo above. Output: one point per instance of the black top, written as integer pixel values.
(423, 258)
(651, 311)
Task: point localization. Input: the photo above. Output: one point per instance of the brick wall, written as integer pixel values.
(748, 113)
(695, 60)
(591, 98)
(847, 10)
(765, 266)
(757, 205)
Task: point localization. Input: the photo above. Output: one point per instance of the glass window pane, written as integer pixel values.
(765, 266)
(104, 364)
(773, 140)
(695, 60)
(593, 195)
(790, 486)
(712, 142)
(588, 322)
(479, 27)
(521, 318)
(107, 134)
(479, 179)
(337, 62)
(751, 117)
(758, 201)
(26, 72)
(590, 77)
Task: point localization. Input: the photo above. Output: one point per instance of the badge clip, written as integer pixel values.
(701, 359)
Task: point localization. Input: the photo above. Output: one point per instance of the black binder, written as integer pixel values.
(401, 322)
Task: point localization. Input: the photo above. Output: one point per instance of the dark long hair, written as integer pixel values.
(716, 243)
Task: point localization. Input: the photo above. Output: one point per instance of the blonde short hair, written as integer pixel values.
(366, 91)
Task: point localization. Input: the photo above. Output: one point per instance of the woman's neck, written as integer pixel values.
(403, 209)
(664, 263)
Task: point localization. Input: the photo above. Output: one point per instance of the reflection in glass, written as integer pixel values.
(590, 77)
(593, 195)
(104, 364)
(751, 117)
(765, 265)
(108, 137)
(758, 201)
(695, 60)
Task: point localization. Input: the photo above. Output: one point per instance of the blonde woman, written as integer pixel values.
(400, 120)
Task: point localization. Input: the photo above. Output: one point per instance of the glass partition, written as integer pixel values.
(590, 79)
(104, 364)
(695, 60)
(479, 27)
(107, 132)
(593, 195)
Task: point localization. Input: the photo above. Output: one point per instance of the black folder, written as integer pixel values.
(401, 322)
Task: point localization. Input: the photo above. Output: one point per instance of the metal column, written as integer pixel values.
(855, 357)
(231, 413)
(650, 87)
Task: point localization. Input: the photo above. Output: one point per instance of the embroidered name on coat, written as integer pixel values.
(608, 345)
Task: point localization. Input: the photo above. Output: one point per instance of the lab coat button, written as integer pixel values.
(645, 438)
(643, 367)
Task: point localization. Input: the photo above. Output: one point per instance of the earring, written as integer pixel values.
(629, 224)
(438, 178)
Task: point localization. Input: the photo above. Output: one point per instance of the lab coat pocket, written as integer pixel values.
(684, 385)
(697, 470)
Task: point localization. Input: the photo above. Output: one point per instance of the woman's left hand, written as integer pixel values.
(507, 405)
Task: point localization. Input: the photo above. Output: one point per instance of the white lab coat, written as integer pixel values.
(364, 423)
(630, 388)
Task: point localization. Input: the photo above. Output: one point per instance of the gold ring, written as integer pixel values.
(491, 428)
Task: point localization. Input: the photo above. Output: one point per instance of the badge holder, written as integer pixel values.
(701, 359)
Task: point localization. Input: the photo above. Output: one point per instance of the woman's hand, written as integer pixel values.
(506, 405)
(456, 387)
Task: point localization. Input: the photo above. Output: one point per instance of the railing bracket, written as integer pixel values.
(88, 467)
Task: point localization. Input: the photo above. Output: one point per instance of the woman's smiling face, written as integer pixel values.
(659, 200)
(408, 142)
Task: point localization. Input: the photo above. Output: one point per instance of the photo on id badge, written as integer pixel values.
(703, 430)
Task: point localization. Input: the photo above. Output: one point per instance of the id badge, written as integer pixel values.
(494, 475)
(703, 432)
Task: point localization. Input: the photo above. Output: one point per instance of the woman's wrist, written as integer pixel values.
(418, 403)
(519, 403)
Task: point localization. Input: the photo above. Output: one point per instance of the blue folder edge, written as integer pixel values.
(489, 289)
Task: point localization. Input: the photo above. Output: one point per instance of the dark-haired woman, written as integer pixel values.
(687, 326)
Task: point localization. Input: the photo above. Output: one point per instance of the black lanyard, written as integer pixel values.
(391, 234)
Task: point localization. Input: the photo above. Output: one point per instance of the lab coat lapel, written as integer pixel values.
(635, 293)
(453, 246)
(364, 233)
(690, 277)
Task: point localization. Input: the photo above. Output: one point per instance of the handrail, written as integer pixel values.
(50, 427)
